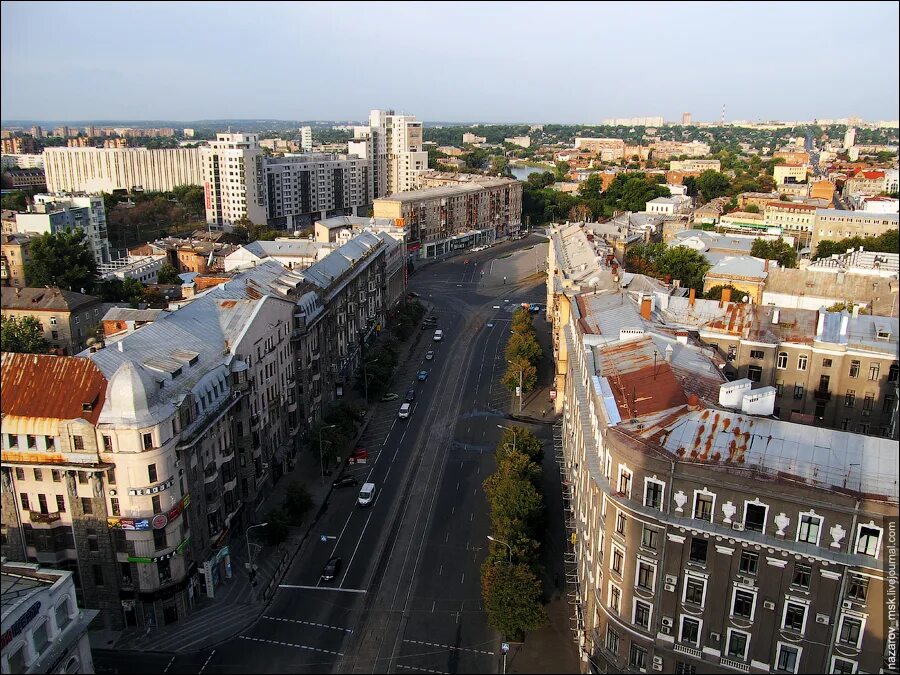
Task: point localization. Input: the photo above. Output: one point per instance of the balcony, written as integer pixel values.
(210, 473)
(690, 651)
(45, 518)
(822, 395)
(737, 665)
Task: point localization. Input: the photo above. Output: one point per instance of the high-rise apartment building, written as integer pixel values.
(37, 132)
(52, 213)
(306, 141)
(394, 146)
(233, 180)
(110, 169)
(686, 119)
(849, 138)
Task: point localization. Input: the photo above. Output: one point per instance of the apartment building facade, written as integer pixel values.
(695, 165)
(793, 218)
(393, 145)
(95, 170)
(68, 319)
(456, 215)
(836, 224)
(233, 179)
(301, 189)
(14, 256)
(53, 213)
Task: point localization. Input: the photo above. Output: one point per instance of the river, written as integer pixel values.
(522, 172)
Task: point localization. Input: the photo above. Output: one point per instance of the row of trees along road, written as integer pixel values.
(523, 351)
(510, 576)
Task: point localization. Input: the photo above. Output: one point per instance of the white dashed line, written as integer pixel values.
(289, 644)
(308, 623)
(421, 670)
(458, 649)
(323, 588)
(170, 665)
(207, 661)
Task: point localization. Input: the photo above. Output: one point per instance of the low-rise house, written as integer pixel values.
(815, 287)
(68, 319)
(744, 273)
(14, 256)
(295, 254)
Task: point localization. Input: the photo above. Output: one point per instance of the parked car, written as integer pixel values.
(438, 335)
(429, 355)
(534, 308)
(412, 294)
(423, 375)
(431, 319)
(332, 567)
(346, 481)
(410, 395)
(390, 396)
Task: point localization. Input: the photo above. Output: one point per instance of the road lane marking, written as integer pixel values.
(458, 649)
(463, 580)
(306, 623)
(338, 540)
(173, 661)
(207, 661)
(290, 644)
(420, 670)
(362, 534)
(323, 588)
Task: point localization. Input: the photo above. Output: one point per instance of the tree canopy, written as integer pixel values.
(777, 249)
(24, 335)
(63, 259)
(712, 184)
(668, 263)
(885, 243)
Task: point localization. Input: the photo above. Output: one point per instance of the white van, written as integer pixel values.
(438, 335)
(366, 494)
(405, 409)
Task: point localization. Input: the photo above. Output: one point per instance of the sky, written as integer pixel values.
(533, 62)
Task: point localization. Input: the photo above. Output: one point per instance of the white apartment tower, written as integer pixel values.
(232, 169)
(393, 144)
(850, 138)
(306, 142)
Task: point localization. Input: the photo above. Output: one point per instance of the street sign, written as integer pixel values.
(504, 647)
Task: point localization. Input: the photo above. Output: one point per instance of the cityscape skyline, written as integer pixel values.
(44, 79)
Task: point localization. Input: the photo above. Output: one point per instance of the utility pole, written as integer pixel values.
(321, 460)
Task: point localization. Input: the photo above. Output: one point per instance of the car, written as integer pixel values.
(534, 308)
(390, 396)
(431, 319)
(438, 335)
(476, 249)
(413, 294)
(429, 355)
(366, 494)
(423, 375)
(404, 411)
(332, 567)
(410, 395)
(346, 481)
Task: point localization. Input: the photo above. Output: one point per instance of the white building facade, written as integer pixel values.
(394, 145)
(52, 213)
(232, 179)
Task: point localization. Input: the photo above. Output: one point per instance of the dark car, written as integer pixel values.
(332, 567)
(346, 481)
(429, 355)
(412, 294)
(410, 395)
(423, 375)
(430, 319)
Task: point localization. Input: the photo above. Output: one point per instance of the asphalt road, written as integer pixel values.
(407, 597)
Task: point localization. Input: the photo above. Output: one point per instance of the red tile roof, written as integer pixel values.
(58, 387)
(869, 175)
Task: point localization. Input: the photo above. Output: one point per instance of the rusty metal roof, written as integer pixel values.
(58, 387)
(640, 383)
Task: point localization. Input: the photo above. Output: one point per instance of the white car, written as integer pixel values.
(476, 249)
(438, 335)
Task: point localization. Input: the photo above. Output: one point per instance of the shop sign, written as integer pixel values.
(20, 625)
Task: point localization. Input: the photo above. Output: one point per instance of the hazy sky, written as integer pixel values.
(454, 61)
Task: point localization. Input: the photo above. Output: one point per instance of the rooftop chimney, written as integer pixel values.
(693, 402)
(646, 307)
(776, 315)
(726, 297)
(692, 297)
(766, 265)
(820, 323)
(845, 320)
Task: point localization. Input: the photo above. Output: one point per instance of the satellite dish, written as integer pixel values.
(746, 298)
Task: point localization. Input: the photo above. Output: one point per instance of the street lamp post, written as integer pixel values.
(521, 392)
(321, 460)
(499, 541)
(366, 377)
(250, 570)
(513, 430)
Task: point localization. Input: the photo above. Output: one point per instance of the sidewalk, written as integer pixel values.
(238, 604)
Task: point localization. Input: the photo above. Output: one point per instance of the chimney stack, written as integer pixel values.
(646, 306)
(766, 265)
(845, 320)
(820, 322)
(776, 315)
(692, 297)
(726, 297)
(669, 351)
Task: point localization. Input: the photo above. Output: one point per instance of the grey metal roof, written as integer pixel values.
(129, 314)
(741, 266)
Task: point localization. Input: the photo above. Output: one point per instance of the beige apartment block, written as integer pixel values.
(96, 170)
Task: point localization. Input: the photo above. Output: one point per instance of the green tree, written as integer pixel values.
(778, 250)
(630, 192)
(715, 293)
(515, 501)
(512, 598)
(521, 321)
(63, 259)
(168, 275)
(751, 208)
(562, 171)
(524, 346)
(15, 200)
(713, 184)
(297, 502)
(24, 335)
(528, 376)
(277, 527)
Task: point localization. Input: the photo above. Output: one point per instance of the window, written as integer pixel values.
(653, 493)
(31, 441)
(824, 381)
(155, 501)
(39, 636)
(690, 630)
(107, 444)
(826, 363)
(802, 576)
(694, 591)
(788, 656)
(151, 471)
(874, 371)
(12, 440)
(732, 352)
(850, 631)
(698, 550)
(615, 598)
(42, 502)
(641, 614)
(38, 474)
(649, 538)
(809, 528)
(737, 644)
(779, 389)
(159, 539)
(98, 574)
(17, 661)
(703, 505)
(850, 398)
(148, 444)
(646, 575)
(114, 506)
(867, 540)
(111, 476)
(868, 401)
(894, 372)
(794, 617)
(857, 588)
(50, 443)
(23, 497)
(638, 657)
(93, 543)
(758, 354)
(890, 402)
(62, 615)
(56, 475)
(60, 503)
(624, 482)
(78, 442)
(798, 391)
(802, 362)
(682, 668)
(620, 522)
(755, 516)
(165, 571)
(617, 557)
(82, 477)
(843, 666)
(742, 603)
(87, 505)
(854, 369)
(612, 640)
(754, 373)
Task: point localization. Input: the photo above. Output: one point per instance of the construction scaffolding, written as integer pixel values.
(570, 555)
